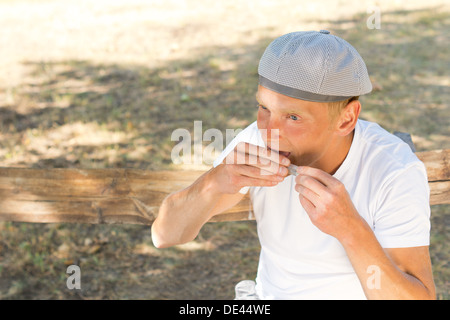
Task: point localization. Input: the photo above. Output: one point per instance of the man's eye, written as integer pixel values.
(293, 117)
(262, 107)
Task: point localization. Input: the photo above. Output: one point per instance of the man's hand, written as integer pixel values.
(250, 165)
(327, 202)
(405, 273)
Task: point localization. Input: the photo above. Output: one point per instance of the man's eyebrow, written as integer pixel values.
(257, 98)
(259, 101)
(287, 110)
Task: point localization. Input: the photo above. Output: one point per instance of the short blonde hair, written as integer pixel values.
(335, 108)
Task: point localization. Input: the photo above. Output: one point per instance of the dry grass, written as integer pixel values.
(104, 83)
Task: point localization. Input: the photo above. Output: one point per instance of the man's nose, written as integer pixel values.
(272, 135)
(273, 129)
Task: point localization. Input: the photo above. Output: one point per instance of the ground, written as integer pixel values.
(104, 84)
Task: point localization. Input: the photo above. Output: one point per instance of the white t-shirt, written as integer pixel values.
(388, 186)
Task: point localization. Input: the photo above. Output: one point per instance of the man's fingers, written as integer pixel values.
(257, 182)
(269, 161)
(237, 157)
(319, 187)
(259, 173)
(249, 176)
(307, 194)
(307, 204)
(312, 184)
(264, 155)
(263, 167)
(319, 175)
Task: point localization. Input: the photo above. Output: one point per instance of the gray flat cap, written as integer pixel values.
(314, 66)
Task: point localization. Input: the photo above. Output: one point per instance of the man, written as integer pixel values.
(354, 222)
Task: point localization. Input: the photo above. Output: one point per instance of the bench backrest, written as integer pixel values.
(134, 196)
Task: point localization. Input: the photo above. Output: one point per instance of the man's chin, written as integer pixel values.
(300, 160)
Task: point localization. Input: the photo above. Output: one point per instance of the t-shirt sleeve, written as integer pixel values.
(402, 218)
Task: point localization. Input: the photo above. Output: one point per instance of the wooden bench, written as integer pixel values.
(128, 196)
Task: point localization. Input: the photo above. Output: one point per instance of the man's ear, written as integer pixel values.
(348, 118)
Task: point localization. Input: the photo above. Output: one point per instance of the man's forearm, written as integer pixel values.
(183, 213)
(378, 274)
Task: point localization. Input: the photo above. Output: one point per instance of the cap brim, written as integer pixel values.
(298, 94)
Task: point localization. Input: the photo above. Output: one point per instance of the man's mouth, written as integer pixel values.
(283, 153)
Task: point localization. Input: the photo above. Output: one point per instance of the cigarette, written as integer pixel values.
(292, 168)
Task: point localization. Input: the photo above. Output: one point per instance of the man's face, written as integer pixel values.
(305, 131)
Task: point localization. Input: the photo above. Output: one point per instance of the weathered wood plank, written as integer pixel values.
(439, 192)
(437, 163)
(133, 196)
(87, 196)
